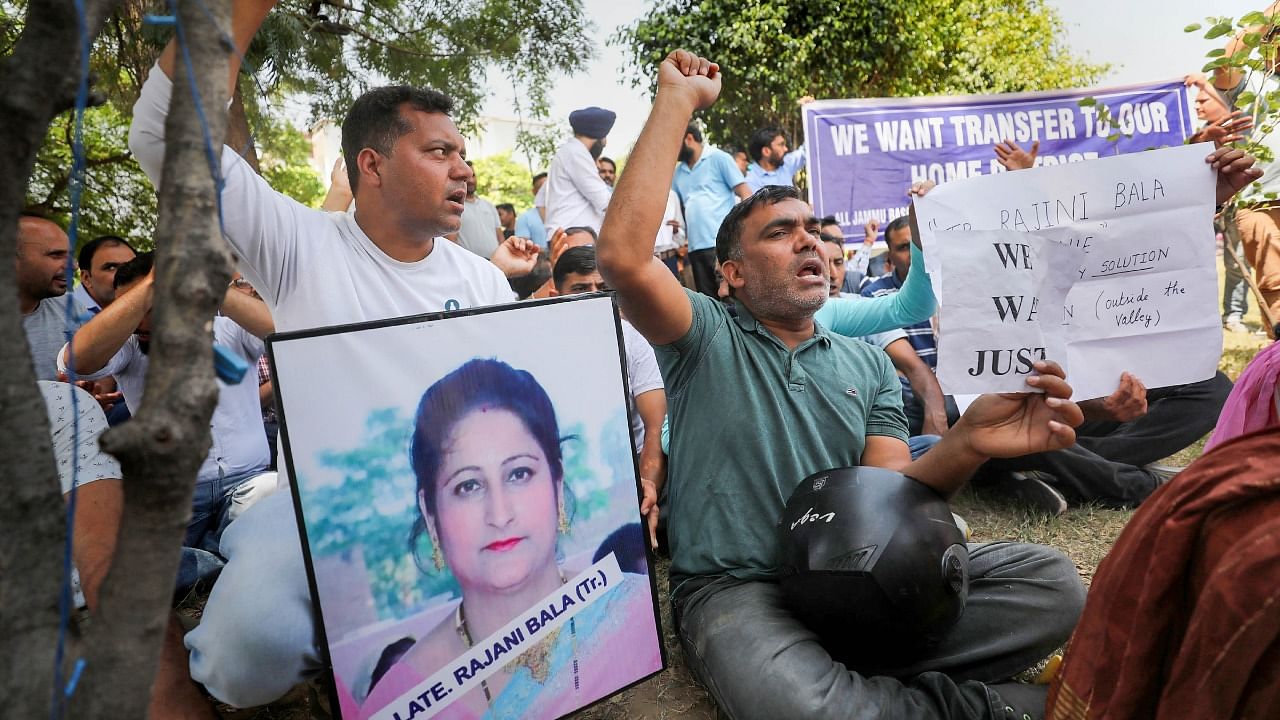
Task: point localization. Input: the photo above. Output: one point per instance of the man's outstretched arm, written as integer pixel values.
(650, 296)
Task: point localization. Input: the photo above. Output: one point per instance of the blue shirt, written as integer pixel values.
(706, 191)
(758, 177)
(529, 225)
(920, 335)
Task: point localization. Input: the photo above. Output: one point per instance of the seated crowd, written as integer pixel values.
(724, 277)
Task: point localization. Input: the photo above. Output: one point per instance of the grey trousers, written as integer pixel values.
(758, 661)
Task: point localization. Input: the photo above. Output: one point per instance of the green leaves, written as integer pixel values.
(774, 53)
(1218, 30)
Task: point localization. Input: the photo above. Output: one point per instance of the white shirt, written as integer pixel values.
(642, 374)
(575, 194)
(239, 444)
(670, 238)
(480, 224)
(314, 268)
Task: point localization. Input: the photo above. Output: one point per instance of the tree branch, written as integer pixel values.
(40, 79)
(162, 447)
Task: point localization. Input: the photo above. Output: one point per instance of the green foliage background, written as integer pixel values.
(774, 52)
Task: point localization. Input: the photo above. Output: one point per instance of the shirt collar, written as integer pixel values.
(748, 323)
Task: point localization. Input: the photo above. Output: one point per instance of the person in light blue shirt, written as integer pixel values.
(709, 184)
(771, 163)
(529, 223)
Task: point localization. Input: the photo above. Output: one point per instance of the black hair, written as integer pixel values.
(829, 220)
(85, 258)
(526, 285)
(729, 237)
(828, 237)
(609, 160)
(574, 261)
(374, 120)
(134, 269)
(695, 131)
(595, 237)
(536, 178)
(478, 383)
(506, 206)
(760, 140)
(627, 546)
(895, 225)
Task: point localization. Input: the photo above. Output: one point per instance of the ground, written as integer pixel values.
(1085, 534)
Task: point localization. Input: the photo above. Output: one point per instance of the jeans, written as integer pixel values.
(758, 661)
(1105, 464)
(920, 444)
(216, 503)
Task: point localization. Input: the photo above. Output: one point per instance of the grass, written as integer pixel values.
(1085, 534)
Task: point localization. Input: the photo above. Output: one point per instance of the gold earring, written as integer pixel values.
(564, 519)
(437, 557)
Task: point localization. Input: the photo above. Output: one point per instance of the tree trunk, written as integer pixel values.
(162, 447)
(39, 81)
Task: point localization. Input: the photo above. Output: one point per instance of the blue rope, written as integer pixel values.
(60, 694)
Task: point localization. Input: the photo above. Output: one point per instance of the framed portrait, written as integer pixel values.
(467, 493)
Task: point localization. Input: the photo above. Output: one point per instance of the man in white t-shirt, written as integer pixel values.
(575, 273)
(407, 170)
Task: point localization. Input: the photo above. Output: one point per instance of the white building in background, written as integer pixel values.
(495, 136)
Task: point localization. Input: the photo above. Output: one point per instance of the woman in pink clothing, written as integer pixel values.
(491, 497)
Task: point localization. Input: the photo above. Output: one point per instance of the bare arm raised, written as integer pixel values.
(649, 294)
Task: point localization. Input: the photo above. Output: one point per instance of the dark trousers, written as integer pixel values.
(1105, 464)
(703, 263)
(758, 661)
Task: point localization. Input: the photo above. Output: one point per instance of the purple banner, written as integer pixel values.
(865, 153)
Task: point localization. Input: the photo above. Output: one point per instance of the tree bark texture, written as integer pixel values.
(39, 81)
(162, 447)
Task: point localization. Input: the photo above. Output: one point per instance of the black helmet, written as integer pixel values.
(872, 561)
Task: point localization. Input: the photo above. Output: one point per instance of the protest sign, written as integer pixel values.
(865, 153)
(1006, 309)
(1145, 300)
(468, 505)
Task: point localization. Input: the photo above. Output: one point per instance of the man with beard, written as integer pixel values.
(234, 474)
(793, 386)
(709, 183)
(576, 195)
(41, 266)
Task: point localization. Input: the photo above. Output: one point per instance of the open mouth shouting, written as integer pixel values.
(813, 271)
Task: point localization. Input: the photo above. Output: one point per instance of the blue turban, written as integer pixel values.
(593, 122)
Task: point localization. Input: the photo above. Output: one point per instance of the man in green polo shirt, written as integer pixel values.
(759, 401)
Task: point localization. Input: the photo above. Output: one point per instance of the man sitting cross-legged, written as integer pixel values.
(235, 474)
(789, 387)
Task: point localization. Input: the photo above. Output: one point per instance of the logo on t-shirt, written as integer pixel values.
(851, 392)
(451, 305)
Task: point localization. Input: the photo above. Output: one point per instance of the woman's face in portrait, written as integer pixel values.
(496, 504)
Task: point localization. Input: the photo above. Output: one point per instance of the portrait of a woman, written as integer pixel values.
(493, 503)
